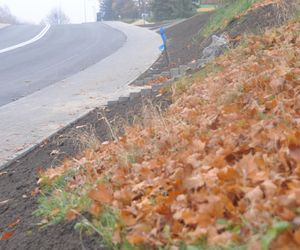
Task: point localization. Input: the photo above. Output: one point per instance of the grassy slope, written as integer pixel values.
(220, 168)
(223, 16)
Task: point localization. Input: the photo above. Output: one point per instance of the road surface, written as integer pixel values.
(63, 51)
(77, 68)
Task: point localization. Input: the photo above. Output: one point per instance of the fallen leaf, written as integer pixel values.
(6, 235)
(297, 236)
(71, 215)
(135, 238)
(101, 194)
(4, 202)
(54, 152)
(14, 223)
(193, 182)
(3, 173)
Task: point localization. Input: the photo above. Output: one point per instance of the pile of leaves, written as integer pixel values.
(220, 168)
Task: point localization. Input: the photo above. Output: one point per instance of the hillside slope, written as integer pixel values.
(219, 169)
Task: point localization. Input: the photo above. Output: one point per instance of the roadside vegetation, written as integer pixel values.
(225, 14)
(219, 170)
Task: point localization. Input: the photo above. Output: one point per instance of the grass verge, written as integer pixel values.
(226, 14)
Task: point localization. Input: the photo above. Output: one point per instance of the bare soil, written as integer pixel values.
(21, 178)
(185, 42)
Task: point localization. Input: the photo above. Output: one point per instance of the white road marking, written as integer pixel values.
(32, 40)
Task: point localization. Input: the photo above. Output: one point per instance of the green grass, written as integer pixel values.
(56, 207)
(104, 226)
(225, 15)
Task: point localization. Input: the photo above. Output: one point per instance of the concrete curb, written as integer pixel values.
(33, 119)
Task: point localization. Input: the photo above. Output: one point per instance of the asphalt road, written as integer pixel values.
(64, 51)
(16, 34)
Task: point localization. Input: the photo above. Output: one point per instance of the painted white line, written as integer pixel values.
(3, 25)
(32, 40)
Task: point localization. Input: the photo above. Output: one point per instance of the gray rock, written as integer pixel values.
(201, 63)
(156, 88)
(134, 95)
(183, 69)
(147, 80)
(146, 92)
(215, 48)
(174, 72)
(165, 74)
(192, 65)
(112, 103)
(123, 99)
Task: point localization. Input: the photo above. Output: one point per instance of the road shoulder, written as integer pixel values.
(45, 112)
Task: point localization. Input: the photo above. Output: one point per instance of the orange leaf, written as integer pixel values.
(96, 209)
(6, 235)
(135, 238)
(189, 217)
(228, 174)
(128, 218)
(101, 194)
(71, 215)
(297, 236)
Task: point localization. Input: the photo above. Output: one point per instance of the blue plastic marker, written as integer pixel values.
(164, 38)
(163, 47)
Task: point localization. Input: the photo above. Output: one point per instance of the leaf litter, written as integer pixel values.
(222, 165)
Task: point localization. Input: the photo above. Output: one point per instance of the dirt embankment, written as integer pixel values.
(186, 43)
(19, 180)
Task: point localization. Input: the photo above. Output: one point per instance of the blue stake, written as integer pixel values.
(163, 47)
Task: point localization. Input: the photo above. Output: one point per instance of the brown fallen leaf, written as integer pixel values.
(297, 236)
(101, 194)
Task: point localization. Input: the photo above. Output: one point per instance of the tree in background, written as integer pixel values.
(6, 16)
(172, 9)
(114, 9)
(57, 16)
(124, 9)
(161, 9)
(144, 6)
(106, 9)
(183, 8)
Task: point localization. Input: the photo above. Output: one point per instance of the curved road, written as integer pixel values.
(62, 52)
(77, 67)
